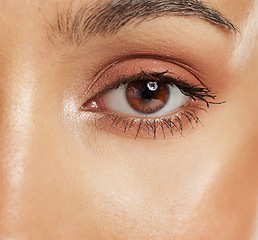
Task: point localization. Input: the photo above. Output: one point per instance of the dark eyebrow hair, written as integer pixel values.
(109, 17)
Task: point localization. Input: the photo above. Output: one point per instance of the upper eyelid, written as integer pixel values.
(110, 74)
(139, 63)
(123, 80)
(193, 71)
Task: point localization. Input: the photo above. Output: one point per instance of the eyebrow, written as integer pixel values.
(110, 17)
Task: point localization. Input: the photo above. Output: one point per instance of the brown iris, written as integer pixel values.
(147, 96)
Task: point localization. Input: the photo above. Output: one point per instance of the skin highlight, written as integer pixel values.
(63, 178)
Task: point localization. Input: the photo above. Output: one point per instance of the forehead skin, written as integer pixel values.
(61, 180)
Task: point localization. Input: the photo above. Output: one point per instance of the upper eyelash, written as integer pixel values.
(195, 92)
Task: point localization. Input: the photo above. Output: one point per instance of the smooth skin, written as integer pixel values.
(63, 178)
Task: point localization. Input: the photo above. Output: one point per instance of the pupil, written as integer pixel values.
(148, 91)
(146, 96)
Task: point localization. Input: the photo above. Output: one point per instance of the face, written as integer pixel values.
(138, 129)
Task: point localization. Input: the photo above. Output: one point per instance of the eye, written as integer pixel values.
(141, 96)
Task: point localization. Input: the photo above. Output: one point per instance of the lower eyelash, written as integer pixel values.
(154, 127)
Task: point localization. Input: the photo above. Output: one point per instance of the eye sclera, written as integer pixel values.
(115, 100)
(95, 107)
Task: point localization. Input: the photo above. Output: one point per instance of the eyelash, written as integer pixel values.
(173, 123)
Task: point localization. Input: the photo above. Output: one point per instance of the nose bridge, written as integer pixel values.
(17, 83)
(24, 131)
(16, 136)
(19, 87)
(26, 156)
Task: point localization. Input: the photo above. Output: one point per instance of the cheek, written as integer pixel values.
(163, 194)
(227, 209)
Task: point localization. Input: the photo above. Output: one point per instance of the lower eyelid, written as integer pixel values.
(149, 128)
